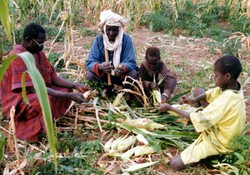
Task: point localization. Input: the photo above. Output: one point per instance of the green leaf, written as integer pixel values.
(24, 95)
(5, 65)
(42, 94)
(2, 144)
(239, 157)
(4, 15)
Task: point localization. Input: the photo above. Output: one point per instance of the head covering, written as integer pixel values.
(110, 18)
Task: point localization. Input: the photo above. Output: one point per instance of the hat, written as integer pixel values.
(107, 17)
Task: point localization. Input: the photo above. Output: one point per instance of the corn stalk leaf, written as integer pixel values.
(24, 95)
(153, 142)
(41, 92)
(4, 15)
(129, 109)
(2, 144)
(176, 97)
(5, 65)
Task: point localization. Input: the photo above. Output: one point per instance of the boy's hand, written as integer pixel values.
(153, 86)
(163, 107)
(165, 97)
(187, 100)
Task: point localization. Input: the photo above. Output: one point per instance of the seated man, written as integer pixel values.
(112, 51)
(28, 118)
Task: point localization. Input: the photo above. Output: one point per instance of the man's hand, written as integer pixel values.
(119, 70)
(105, 67)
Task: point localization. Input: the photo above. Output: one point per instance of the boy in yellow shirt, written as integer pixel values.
(222, 119)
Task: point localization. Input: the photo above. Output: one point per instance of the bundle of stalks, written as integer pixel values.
(138, 90)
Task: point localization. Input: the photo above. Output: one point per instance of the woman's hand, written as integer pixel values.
(77, 97)
(82, 88)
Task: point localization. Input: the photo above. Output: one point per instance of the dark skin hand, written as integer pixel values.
(153, 86)
(105, 67)
(119, 70)
(75, 96)
(81, 87)
(167, 107)
(164, 99)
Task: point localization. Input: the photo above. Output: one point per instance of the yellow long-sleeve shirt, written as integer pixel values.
(218, 123)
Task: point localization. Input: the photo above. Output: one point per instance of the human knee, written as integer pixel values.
(90, 75)
(176, 163)
(133, 74)
(198, 91)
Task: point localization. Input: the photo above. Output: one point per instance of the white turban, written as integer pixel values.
(110, 18)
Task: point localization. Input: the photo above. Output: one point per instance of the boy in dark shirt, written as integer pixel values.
(155, 75)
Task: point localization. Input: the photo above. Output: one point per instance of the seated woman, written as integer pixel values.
(28, 117)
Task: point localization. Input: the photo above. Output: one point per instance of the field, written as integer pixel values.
(85, 129)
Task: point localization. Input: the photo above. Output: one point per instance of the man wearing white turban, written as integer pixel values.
(119, 51)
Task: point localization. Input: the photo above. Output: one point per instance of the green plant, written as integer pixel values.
(80, 157)
(240, 23)
(231, 46)
(2, 144)
(53, 32)
(240, 158)
(53, 58)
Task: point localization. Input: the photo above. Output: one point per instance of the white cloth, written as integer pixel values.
(110, 18)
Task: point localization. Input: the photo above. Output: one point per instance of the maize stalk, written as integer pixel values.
(119, 145)
(137, 151)
(142, 139)
(156, 94)
(144, 149)
(128, 154)
(144, 123)
(118, 99)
